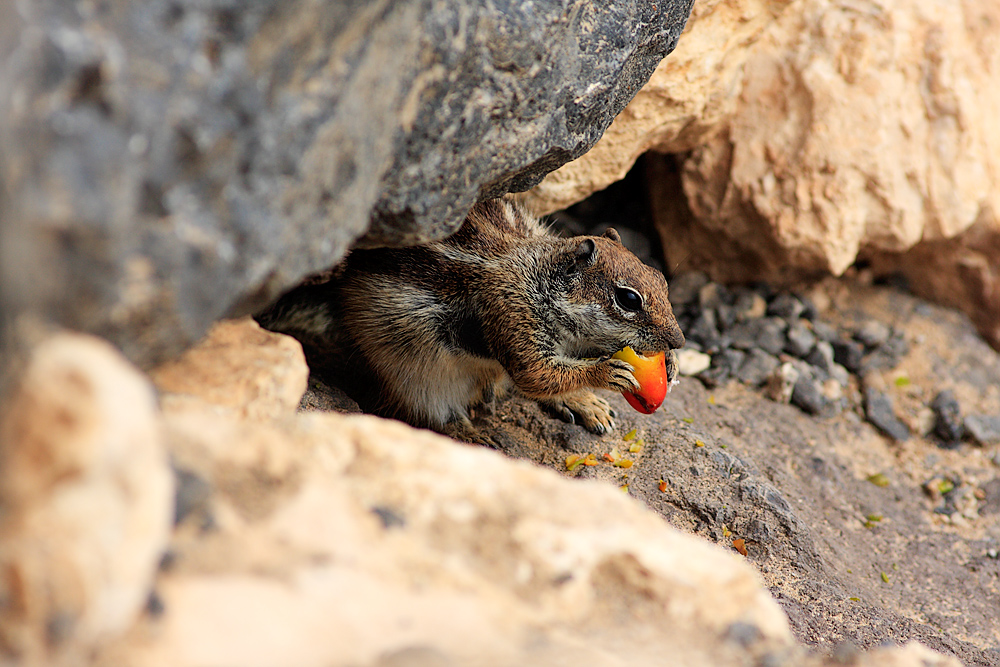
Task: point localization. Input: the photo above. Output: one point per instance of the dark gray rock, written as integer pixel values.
(849, 354)
(756, 368)
(725, 364)
(808, 396)
(800, 340)
(825, 331)
(704, 330)
(821, 357)
(879, 411)
(170, 162)
(767, 333)
(872, 333)
(725, 315)
(785, 306)
(984, 429)
(887, 355)
(809, 309)
(948, 418)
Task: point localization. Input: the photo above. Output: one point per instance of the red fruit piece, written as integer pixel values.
(651, 374)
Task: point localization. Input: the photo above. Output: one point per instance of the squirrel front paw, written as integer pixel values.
(584, 408)
(616, 375)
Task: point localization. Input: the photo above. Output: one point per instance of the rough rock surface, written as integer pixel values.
(240, 366)
(172, 162)
(809, 171)
(963, 272)
(687, 99)
(85, 488)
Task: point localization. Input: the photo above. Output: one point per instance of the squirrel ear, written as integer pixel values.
(584, 255)
(612, 234)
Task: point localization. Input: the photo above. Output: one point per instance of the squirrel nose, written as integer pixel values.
(675, 337)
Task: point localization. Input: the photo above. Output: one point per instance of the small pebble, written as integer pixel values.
(808, 396)
(984, 429)
(785, 306)
(872, 334)
(849, 354)
(691, 362)
(878, 410)
(781, 383)
(948, 423)
(833, 390)
(757, 366)
(800, 340)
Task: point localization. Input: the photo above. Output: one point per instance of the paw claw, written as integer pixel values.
(583, 408)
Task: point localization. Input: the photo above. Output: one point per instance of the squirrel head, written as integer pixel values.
(614, 299)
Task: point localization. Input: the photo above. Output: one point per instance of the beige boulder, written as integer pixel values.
(241, 366)
(860, 127)
(380, 540)
(86, 491)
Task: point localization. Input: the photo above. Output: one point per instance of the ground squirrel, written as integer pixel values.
(434, 330)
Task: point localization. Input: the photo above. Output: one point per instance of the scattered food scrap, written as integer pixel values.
(740, 545)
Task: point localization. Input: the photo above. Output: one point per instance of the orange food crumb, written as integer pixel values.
(740, 545)
(663, 486)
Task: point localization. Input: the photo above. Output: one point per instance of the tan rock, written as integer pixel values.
(689, 97)
(860, 127)
(86, 491)
(963, 272)
(386, 539)
(240, 366)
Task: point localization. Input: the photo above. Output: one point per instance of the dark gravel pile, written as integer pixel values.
(776, 341)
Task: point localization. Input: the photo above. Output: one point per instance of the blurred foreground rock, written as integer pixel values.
(164, 164)
(86, 494)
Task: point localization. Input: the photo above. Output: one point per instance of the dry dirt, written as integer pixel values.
(854, 560)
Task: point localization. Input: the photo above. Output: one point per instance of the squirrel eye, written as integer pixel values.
(628, 298)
